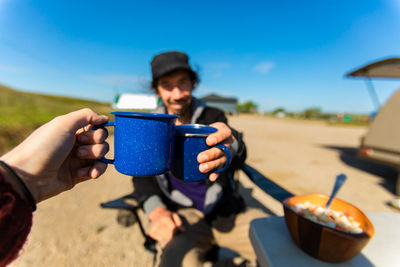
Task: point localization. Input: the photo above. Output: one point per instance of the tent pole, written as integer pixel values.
(372, 93)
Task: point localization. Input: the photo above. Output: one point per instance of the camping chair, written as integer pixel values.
(128, 214)
(128, 210)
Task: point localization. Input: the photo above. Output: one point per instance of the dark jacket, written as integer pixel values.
(221, 197)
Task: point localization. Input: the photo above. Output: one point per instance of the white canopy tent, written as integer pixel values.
(382, 141)
(387, 68)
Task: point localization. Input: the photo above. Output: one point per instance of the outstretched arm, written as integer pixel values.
(59, 154)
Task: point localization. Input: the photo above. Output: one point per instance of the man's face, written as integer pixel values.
(175, 91)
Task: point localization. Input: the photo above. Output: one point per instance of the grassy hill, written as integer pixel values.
(22, 112)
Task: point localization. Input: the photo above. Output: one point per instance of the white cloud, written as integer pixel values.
(264, 67)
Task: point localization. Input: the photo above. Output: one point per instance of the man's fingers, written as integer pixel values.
(164, 228)
(211, 159)
(223, 133)
(210, 154)
(212, 165)
(213, 177)
(177, 220)
(164, 223)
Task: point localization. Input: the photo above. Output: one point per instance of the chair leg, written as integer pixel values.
(126, 218)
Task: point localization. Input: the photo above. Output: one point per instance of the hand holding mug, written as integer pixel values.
(215, 158)
(59, 154)
(191, 145)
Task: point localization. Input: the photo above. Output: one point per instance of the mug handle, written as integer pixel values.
(95, 127)
(228, 157)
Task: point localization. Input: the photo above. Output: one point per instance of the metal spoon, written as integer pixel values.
(340, 178)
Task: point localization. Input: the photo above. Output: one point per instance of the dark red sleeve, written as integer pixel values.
(15, 222)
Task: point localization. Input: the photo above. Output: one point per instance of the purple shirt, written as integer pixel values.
(196, 191)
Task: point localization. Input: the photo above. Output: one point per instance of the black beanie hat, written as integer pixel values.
(166, 62)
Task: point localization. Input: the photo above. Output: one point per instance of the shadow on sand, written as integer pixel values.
(266, 185)
(348, 155)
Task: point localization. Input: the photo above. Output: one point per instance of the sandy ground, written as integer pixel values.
(300, 156)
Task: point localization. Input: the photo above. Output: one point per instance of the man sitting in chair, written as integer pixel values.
(188, 218)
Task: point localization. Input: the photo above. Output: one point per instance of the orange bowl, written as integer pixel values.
(323, 242)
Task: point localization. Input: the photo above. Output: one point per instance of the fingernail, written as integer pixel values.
(213, 140)
(94, 174)
(203, 167)
(212, 177)
(104, 117)
(101, 117)
(203, 158)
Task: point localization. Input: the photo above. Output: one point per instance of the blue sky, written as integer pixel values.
(291, 54)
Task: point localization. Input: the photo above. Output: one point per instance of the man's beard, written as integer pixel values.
(186, 102)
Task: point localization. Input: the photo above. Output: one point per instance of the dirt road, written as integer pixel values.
(300, 156)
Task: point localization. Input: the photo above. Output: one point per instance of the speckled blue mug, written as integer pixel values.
(190, 140)
(143, 142)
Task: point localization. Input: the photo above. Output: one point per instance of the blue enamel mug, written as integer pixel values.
(143, 142)
(190, 140)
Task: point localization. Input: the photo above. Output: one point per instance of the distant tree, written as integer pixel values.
(312, 113)
(247, 107)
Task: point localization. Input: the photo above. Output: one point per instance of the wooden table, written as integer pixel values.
(274, 246)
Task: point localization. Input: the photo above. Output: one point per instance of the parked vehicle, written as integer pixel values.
(382, 141)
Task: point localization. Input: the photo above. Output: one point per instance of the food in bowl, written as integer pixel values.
(321, 241)
(328, 217)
